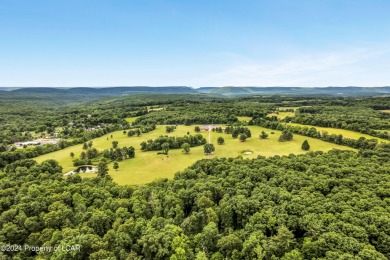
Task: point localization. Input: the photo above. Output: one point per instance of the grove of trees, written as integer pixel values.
(173, 142)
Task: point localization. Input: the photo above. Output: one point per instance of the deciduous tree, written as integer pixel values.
(208, 148)
(263, 135)
(115, 166)
(165, 148)
(102, 169)
(186, 147)
(243, 137)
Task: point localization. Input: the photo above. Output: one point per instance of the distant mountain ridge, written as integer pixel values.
(109, 91)
(299, 91)
(228, 91)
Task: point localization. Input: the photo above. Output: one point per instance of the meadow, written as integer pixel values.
(283, 114)
(148, 166)
(244, 118)
(131, 119)
(345, 133)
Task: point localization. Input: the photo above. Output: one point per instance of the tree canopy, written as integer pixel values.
(318, 205)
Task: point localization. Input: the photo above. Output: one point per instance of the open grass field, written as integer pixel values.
(345, 133)
(244, 118)
(385, 111)
(148, 166)
(284, 108)
(131, 119)
(155, 109)
(282, 115)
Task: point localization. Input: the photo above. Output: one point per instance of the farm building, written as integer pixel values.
(29, 143)
(81, 169)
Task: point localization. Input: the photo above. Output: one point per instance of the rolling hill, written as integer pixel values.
(228, 91)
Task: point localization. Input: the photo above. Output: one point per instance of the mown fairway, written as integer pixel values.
(147, 166)
(345, 133)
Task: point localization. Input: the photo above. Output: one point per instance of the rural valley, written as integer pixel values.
(194, 176)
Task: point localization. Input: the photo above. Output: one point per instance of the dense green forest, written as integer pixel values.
(317, 205)
(314, 206)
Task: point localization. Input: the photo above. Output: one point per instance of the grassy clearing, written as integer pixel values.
(284, 108)
(385, 111)
(345, 133)
(282, 115)
(131, 119)
(244, 118)
(155, 109)
(147, 166)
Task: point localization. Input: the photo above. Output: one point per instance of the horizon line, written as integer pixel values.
(178, 86)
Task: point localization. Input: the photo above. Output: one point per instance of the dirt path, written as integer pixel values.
(209, 135)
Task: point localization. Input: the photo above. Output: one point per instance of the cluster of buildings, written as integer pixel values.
(94, 128)
(42, 141)
(29, 143)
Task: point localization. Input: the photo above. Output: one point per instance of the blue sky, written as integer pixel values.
(195, 43)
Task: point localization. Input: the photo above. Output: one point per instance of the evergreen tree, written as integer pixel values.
(305, 145)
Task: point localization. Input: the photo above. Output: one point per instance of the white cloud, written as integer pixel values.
(348, 67)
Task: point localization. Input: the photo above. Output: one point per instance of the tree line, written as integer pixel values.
(359, 119)
(361, 143)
